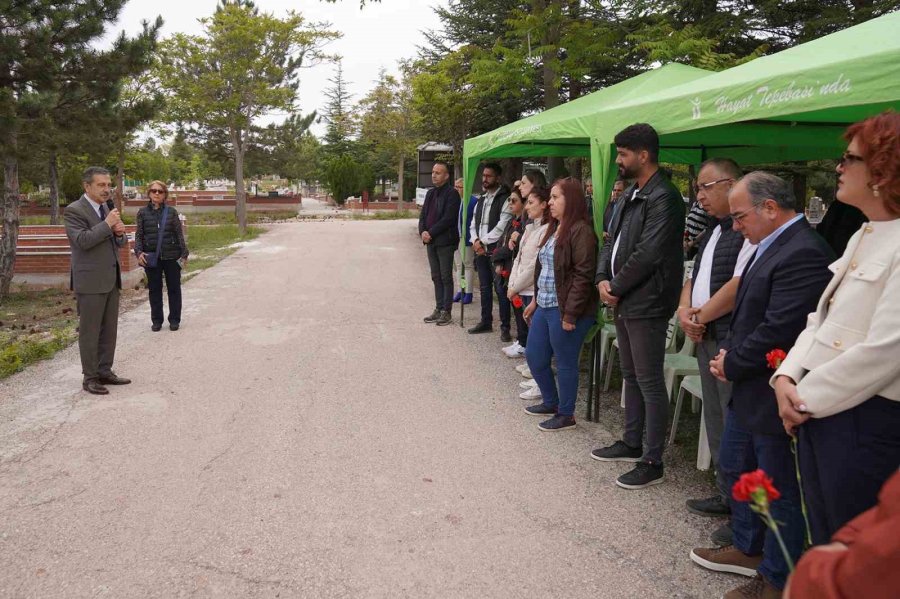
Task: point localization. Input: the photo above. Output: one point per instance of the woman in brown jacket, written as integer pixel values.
(566, 304)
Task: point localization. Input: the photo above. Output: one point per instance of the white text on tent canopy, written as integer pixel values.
(767, 97)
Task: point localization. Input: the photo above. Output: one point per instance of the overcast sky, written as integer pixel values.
(377, 36)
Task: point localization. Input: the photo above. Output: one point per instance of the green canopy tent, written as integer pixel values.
(567, 129)
(793, 105)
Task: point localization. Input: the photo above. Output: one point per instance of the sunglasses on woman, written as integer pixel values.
(157, 191)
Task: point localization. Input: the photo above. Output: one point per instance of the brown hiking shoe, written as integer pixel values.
(727, 559)
(758, 588)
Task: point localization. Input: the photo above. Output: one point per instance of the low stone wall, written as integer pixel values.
(357, 205)
(43, 258)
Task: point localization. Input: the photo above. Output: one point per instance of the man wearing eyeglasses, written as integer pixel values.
(704, 310)
(778, 288)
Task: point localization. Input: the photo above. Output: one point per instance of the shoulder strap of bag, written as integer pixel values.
(162, 230)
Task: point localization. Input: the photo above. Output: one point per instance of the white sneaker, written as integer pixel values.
(522, 367)
(528, 384)
(533, 393)
(527, 373)
(512, 351)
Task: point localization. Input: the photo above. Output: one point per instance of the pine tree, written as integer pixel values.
(45, 58)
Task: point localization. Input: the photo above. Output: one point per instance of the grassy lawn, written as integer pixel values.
(34, 325)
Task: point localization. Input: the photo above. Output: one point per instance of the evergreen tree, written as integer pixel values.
(45, 47)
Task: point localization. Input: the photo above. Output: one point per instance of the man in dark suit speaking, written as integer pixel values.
(96, 233)
(779, 287)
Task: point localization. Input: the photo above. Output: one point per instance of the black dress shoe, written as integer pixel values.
(113, 379)
(174, 326)
(481, 327)
(713, 507)
(155, 327)
(722, 536)
(505, 337)
(433, 317)
(94, 387)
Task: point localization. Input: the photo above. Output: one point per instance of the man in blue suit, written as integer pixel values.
(779, 287)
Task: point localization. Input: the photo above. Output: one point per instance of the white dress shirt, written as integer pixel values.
(612, 263)
(485, 233)
(700, 292)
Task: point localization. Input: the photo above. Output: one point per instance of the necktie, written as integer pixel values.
(102, 212)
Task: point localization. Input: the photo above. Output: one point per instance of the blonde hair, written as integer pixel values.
(161, 184)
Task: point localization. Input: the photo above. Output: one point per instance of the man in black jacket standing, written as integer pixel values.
(639, 274)
(437, 227)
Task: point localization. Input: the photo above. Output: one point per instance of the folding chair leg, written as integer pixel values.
(609, 367)
(675, 415)
(704, 456)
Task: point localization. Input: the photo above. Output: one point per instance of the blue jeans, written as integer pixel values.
(546, 338)
(744, 451)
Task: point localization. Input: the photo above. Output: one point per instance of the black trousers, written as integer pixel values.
(844, 461)
(501, 286)
(485, 271)
(172, 272)
(440, 259)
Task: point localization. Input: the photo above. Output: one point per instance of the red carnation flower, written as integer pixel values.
(775, 357)
(517, 302)
(755, 486)
(504, 273)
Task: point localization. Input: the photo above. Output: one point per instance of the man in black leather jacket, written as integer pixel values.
(639, 273)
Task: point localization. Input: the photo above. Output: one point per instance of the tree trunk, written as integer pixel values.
(799, 185)
(400, 184)
(54, 188)
(9, 210)
(120, 178)
(550, 72)
(240, 195)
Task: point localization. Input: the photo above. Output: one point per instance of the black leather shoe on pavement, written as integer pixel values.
(94, 387)
(722, 536)
(174, 326)
(481, 327)
(444, 319)
(712, 507)
(113, 379)
(643, 475)
(618, 452)
(433, 316)
(505, 337)
(558, 423)
(540, 410)
(155, 327)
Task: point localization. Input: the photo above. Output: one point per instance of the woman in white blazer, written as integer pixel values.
(839, 388)
(521, 275)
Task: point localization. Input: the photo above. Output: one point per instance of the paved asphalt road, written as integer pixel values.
(305, 435)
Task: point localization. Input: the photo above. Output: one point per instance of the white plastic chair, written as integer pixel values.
(692, 385)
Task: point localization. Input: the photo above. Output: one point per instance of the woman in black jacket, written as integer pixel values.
(167, 259)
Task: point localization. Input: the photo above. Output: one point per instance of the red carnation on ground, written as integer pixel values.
(775, 357)
(517, 302)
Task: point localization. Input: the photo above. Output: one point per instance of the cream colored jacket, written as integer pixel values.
(850, 350)
(521, 277)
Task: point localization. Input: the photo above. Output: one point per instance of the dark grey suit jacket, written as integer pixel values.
(95, 255)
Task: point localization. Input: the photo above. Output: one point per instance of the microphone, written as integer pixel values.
(110, 205)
